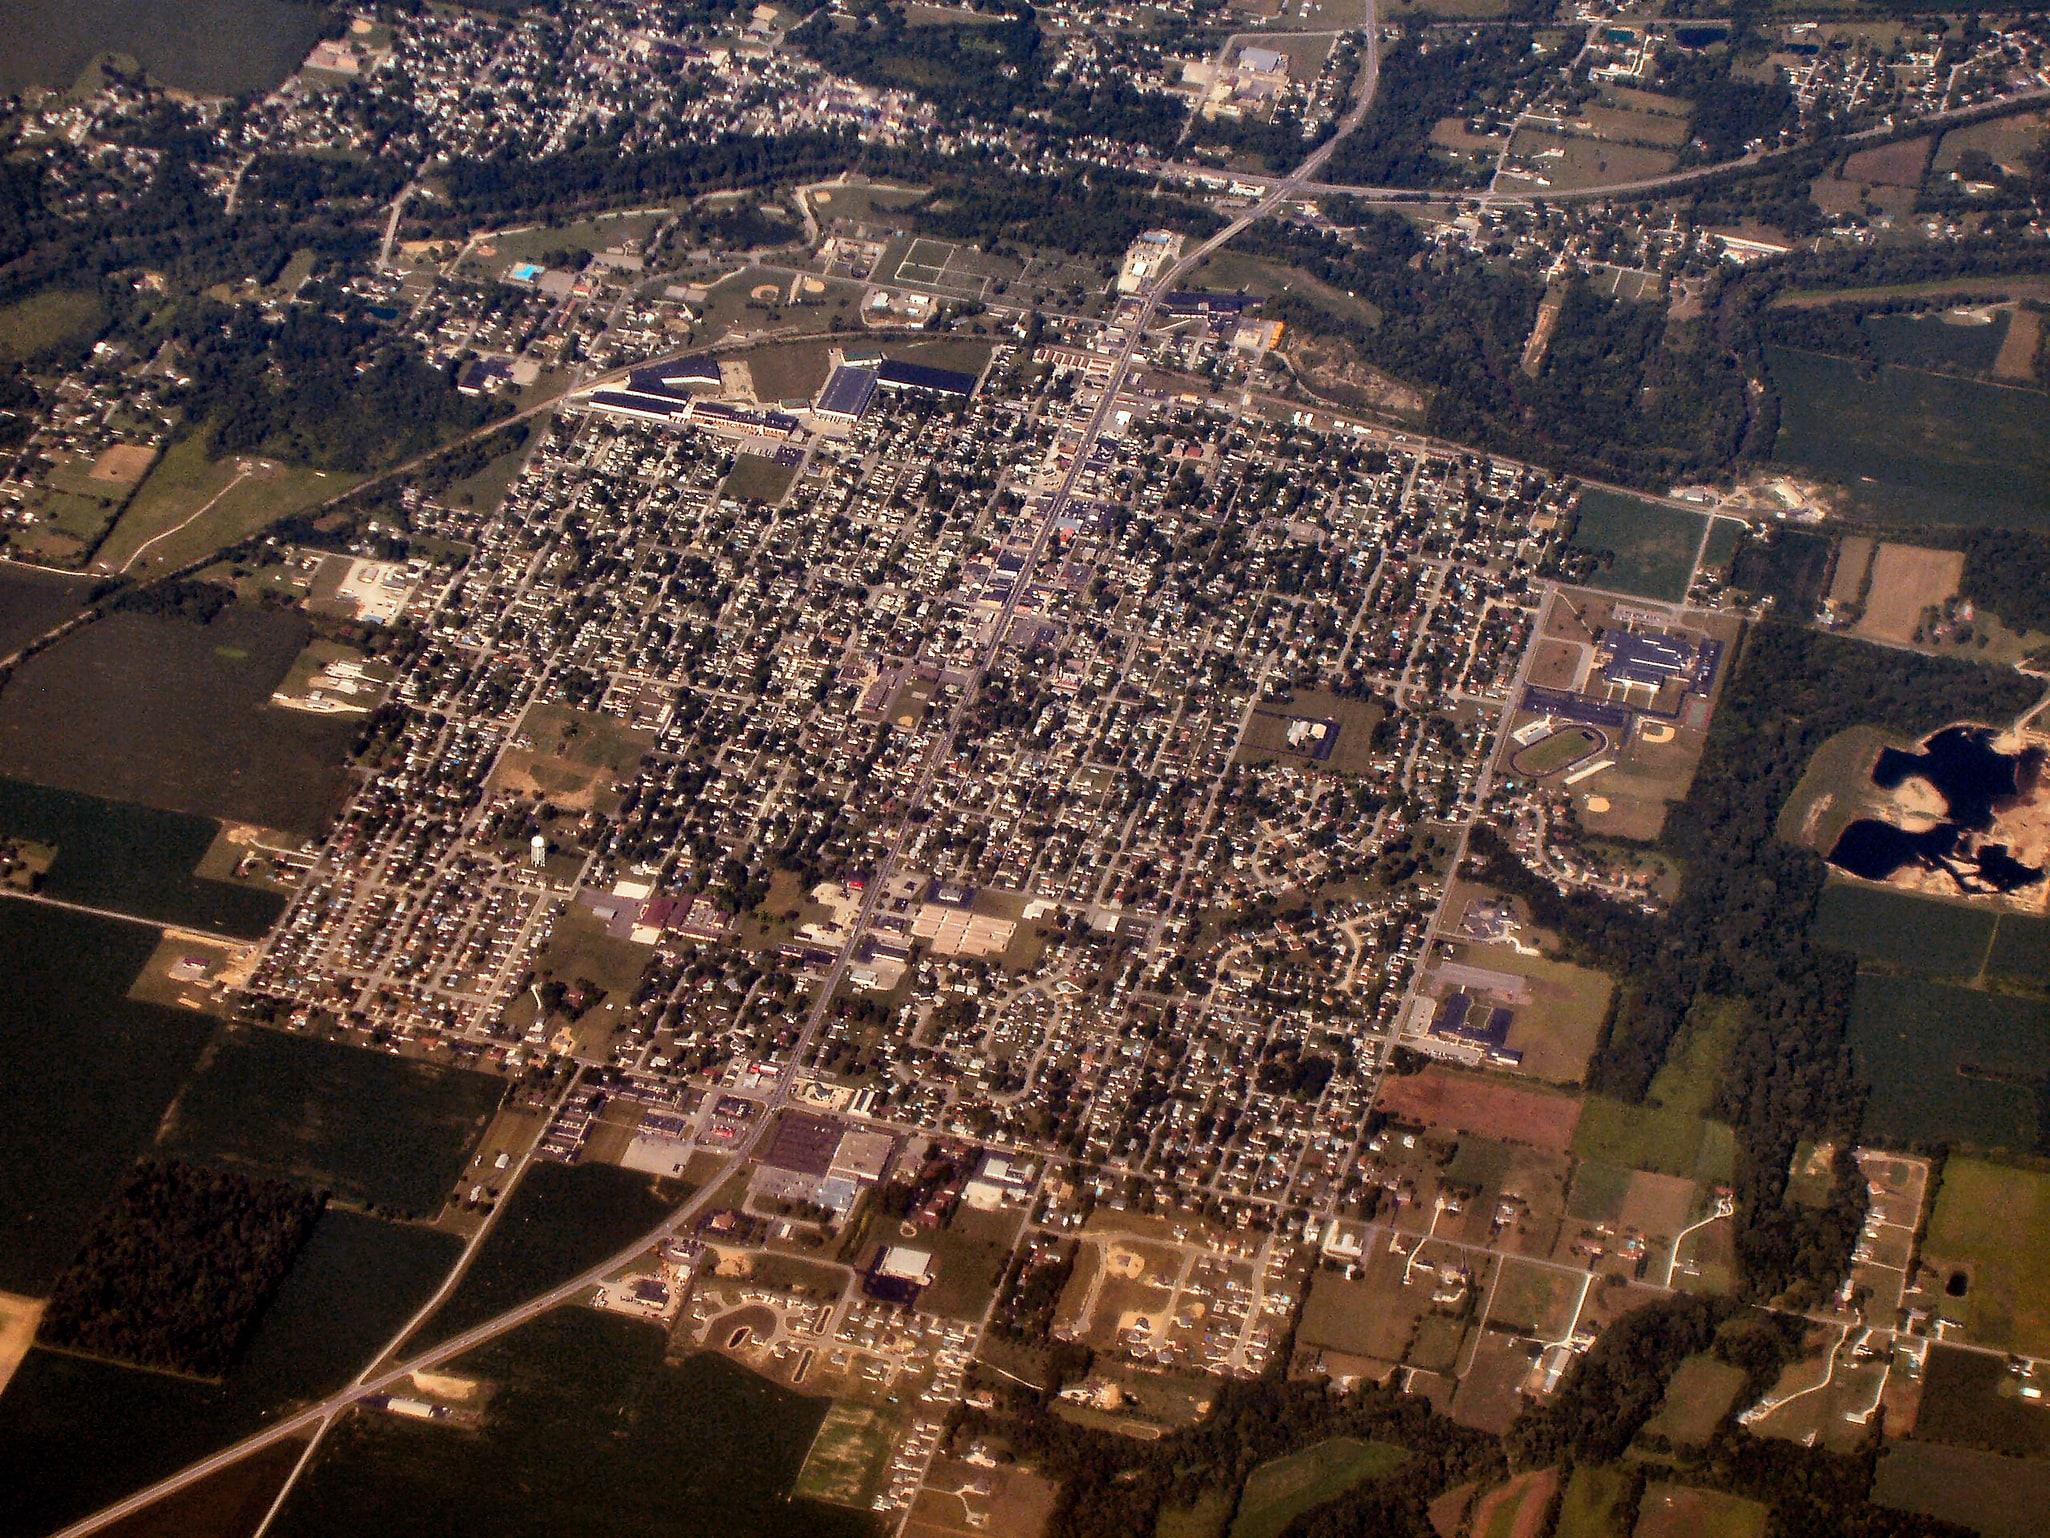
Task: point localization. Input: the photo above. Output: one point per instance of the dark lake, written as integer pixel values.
(1975, 780)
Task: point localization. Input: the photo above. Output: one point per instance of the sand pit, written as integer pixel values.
(1597, 803)
(18, 1319)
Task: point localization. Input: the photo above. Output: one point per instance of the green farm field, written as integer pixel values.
(215, 46)
(1970, 1399)
(1915, 446)
(1698, 1396)
(32, 602)
(49, 319)
(1998, 1497)
(562, 1219)
(1653, 545)
(375, 1129)
(1948, 1063)
(1593, 1507)
(1277, 1493)
(1992, 1223)
(1901, 930)
(1684, 1511)
(76, 1434)
(591, 1432)
(88, 1076)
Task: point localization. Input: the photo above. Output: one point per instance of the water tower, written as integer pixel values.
(537, 851)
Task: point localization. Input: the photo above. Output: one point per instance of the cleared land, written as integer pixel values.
(1568, 162)
(573, 758)
(1698, 1396)
(1906, 581)
(1277, 1493)
(165, 524)
(1438, 1097)
(1992, 1224)
(376, 1129)
(1652, 546)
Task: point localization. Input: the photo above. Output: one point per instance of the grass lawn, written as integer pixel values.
(47, 319)
(1653, 545)
(847, 1457)
(1682, 1511)
(757, 478)
(572, 757)
(969, 1254)
(1591, 1506)
(1278, 1492)
(1993, 1224)
(375, 1129)
(236, 505)
(1666, 1142)
(1557, 1028)
(1698, 1396)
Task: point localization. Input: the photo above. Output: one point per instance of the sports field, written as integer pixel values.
(845, 1464)
(1991, 1225)
(1652, 545)
(1277, 1493)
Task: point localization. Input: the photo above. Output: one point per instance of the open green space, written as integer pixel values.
(2020, 951)
(77, 1434)
(1687, 1511)
(1904, 931)
(1936, 339)
(1998, 1497)
(757, 478)
(847, 1458)
(1698, 1396)
(1991, 1225)
(383, 1131)
(1207, 1518)
(132, 859)
(1593, 1503)
(1972, 1399)
(190, 505)
(173, 713)
(969, 1255)
(1949, 1064)
(1279, 1491)
(1652, 545)
(219, 47)
(1662, 1140)
(49, 319)
(1914, 446)
(88, 1075)
(563, 1219)
(590, 1432)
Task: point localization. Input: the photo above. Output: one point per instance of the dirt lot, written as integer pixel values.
(1558, 663)
(1517, 1509)
(124, 464)
(2017, 358)
(1905, 581)
(1019, 1502)
(1853, 561)
(1438, 1097)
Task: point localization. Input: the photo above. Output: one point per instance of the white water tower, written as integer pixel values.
(538, 851)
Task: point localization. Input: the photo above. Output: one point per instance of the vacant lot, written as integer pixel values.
(571, 757)
(1947, 1063)
(847, 1456)
(1915, 446)
(757, 478)
(1906, 580)
(1992, 1226)
(1999, 1497)
(373, 1128)
(1439, 1097)
(1899, 164)
(1650, 546)
(1567, 161)
(192, 504)
(1277, 1493)
(177, 715)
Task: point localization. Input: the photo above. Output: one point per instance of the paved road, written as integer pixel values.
(1672, 179)
(166, 925)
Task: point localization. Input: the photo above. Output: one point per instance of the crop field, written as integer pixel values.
(216, 46)
(2020, 951)
(132, 859)
(230, 1501)
(32, 602)
(89, 1074)
(375, 1129)
(1277, 1493)
(1653, 545)
(1948, 1063)
(1906, 580)
(1999, 1497)
(1682, 1511)
(1969, 342)
(177, 715)
(1914, 446)
(1661, 1140)
(590, 1432)
(1991, 1225)
(563, 1218)
(1591, 1509)
(91, 1431)
(1900, 929)
(1970, 1399)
